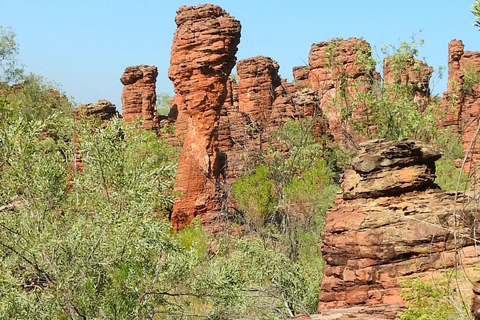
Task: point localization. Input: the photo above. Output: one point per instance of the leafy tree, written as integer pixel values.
(11, 71)
(476, 13)
(163, 103)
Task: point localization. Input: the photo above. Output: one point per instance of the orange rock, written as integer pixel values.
(415, 73)
(138, 96)
(337, 73)
(199, 67)
(461, 102)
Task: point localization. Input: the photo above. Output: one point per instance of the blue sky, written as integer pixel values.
(84, 46)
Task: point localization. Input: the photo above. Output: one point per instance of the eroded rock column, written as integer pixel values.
(338, 70)
(461, 102)
(138, 97)
(202, 56)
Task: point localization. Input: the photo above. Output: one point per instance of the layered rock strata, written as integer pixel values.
(259, 104)
(139, 97)
(202, 56)
(385, 229)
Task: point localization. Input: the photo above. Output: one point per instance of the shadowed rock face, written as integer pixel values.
(139, 97)
(378, 232)
(202, 57)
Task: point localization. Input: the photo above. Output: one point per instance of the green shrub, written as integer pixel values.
(471, 77)
(427, 301)
(254, 194)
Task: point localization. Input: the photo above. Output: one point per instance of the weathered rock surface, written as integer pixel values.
(202, 56)
(300, 76)
(371, 244)
(139, 97)
(257, 106)
(258, 78)
(338, 71)
(461, 102)
(103, 109)
(415, 73)
(383, 168)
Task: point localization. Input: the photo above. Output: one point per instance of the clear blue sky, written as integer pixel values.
(85, 45)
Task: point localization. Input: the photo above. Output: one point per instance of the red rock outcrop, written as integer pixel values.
(373, 239)
(300, 76)
(461, 102)
(257, 80)
(202, 56)
(338, 70)
(139, 97)
(103, 109)
(413, 72)
(257, 106)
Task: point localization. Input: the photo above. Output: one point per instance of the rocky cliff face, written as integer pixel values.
(337, 71)
(461, 102)
(415, 73)
(390, 223)
(138, 96)
(257, 106)
(202, 56)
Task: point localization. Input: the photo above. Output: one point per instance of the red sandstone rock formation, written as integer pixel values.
(300, 76)
(338, 71)
(257, 106)
(258, 78)
(461, 102)
(371, 244)
(202, 56)
(415, 73)
(139, 97)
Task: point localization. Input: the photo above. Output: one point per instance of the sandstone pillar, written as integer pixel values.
(139, 98)
(202, 56)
